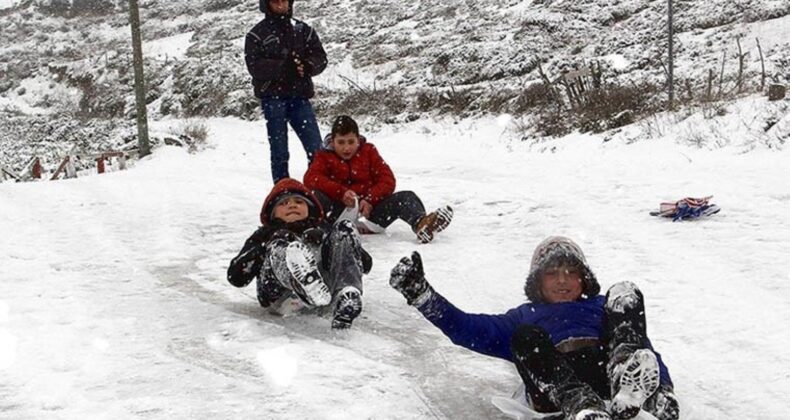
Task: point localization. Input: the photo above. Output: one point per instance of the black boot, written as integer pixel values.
(633, 368)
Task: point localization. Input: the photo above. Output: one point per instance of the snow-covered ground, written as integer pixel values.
(114, 304)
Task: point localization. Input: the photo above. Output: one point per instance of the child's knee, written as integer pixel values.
(345, 227)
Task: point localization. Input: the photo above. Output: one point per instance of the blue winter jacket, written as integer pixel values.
(491, 334)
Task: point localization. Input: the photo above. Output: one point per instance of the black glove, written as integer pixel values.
(408, 278)
(663, 404)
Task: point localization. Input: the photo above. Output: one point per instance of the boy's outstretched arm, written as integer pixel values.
(486, 334)
(247, 264)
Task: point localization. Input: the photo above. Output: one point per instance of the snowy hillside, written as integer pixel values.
(114, 304)
(67, 61)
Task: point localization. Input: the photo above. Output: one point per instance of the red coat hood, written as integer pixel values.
(289, 186)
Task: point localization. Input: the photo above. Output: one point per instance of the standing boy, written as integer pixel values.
(282, 55)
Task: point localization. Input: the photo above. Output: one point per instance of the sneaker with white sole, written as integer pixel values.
(306, 282)
(433, 222)
(347, 308)
(634, 381)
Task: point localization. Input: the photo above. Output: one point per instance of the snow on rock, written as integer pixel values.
(343, 74)
(171, 47)
(7, 4)
(39, 95)
(617, 61)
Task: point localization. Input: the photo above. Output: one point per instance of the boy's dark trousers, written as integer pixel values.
(580, 378)
(404, 205)
(340, 258)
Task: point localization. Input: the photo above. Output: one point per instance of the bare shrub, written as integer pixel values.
(534, 95)
(712, 110)
(216, 5)
(616, 105)
(384, 102)
(193, 134)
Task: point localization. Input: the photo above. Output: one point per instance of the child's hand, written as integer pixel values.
(408, 278)
(349, 197)
(299, 65)
(365, 208)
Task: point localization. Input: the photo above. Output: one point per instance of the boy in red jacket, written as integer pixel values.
(350, 170)
(296, 256)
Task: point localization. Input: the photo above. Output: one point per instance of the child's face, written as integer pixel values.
(561, 284)
(345, 145)
(292, 209)
(279, 7)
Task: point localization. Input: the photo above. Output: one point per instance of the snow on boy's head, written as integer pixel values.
(279, 365)
(553, 252)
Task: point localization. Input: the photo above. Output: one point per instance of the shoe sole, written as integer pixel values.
(638, 382)
(444, 216)
(351, 308)
(308, 283)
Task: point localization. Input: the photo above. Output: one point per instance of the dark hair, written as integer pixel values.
(344, 125)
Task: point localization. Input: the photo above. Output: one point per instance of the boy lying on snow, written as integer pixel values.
(572, 347)
(350, 170)
(296, 252)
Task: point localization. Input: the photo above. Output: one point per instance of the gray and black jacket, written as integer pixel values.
(269, 50)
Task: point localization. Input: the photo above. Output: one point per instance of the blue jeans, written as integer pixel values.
(279, 112)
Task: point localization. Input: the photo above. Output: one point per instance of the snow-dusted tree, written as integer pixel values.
(139, 80)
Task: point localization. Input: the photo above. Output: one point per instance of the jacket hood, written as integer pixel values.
(554, 251)
(287, 186)
(263, 5)
(327, 143)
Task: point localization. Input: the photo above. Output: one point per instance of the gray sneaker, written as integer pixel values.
(634, 381)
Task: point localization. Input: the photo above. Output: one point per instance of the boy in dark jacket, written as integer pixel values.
(282, 55)
(572, 347)
(350, 170)
(294, 253)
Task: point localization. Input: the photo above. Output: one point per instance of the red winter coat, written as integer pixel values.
(365, 173)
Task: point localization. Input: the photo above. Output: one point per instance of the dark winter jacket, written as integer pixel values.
(247, 264)
(491, 334)
(366, 173)
(269, 51)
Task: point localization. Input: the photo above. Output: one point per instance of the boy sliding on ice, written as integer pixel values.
(573, 348)
(350, 170)
(296, 253)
